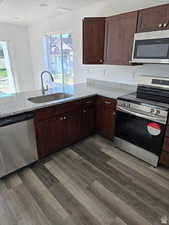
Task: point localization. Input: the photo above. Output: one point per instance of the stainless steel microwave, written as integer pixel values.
(151, 47)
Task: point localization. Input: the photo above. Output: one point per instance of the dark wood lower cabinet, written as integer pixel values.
(73, 126)
(166, 144)
(63, 125)
(106, 117)
(60, 126)
(51, 135)
(88, 121)
(164, 158)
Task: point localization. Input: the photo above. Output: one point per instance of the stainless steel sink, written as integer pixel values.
(49, 98)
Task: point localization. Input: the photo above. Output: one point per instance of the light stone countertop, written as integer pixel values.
(19, 103)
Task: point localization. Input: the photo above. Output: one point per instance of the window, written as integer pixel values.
(6, 79)
(59, 57)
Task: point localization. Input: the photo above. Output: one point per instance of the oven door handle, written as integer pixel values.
(153, 118)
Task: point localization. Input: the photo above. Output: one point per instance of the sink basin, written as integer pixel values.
(49, 98)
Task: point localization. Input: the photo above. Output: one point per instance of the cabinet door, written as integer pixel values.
(106, 117)
(164, 158)
(109, 122)
(73, 120)
(119, 38)
(152, 19)
(93, 40)
(51, 135)
(166, 22)
(88, 121)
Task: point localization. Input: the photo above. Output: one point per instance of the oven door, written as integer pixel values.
(140, 131)
(151, 47)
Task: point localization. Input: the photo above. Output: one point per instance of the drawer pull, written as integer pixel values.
(160, 25)
(65, 118)
(61, 118)
(165, 24)
(107, 103)
(84, 111)
(114, 113)
(88, 102)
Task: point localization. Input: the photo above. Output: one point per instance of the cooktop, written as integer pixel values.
(133, 98)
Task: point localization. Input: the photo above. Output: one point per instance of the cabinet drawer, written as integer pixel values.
(166, 144)
(108, 102)
(49, 112)
(87, 102)
(164, 159)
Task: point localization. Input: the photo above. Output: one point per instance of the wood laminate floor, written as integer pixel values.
(89, 183)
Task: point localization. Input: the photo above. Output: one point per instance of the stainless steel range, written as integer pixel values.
(141, 125)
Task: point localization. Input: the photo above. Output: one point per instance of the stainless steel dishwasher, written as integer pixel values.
(17, 143)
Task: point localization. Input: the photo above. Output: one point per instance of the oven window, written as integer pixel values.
(152, 49)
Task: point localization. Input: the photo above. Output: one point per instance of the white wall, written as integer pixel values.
(19, 50)
(73, 22)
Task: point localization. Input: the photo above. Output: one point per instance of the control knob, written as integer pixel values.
(157, 112)
(152, 111)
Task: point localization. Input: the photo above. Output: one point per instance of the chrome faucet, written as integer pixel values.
(42, 81)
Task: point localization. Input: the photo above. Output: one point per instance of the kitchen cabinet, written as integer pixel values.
(106, 117)
(61, 125)
(88, 121)
(164, 158)
(153, 19)
(110, 40)
(119, 38)
(93, 40)
(88, 116)
(51, 135)
(73, 126)
(166, 144)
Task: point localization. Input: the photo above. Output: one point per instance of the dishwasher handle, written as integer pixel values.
(16, 119)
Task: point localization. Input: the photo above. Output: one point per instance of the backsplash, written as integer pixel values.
(120, 74)
(110, 84)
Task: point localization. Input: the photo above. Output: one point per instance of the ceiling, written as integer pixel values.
(29, 11)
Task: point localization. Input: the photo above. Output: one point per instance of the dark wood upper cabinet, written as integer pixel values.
(119, 38)
(93, 40)
(110, 40)
(153, 19)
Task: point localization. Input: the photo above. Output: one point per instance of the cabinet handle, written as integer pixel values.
(107, 103)
(114, 113)
(61, 118)
(160, 25)
(165, 24)
(84, 111)
(101, 60)
(88, 102)
(65, 118)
